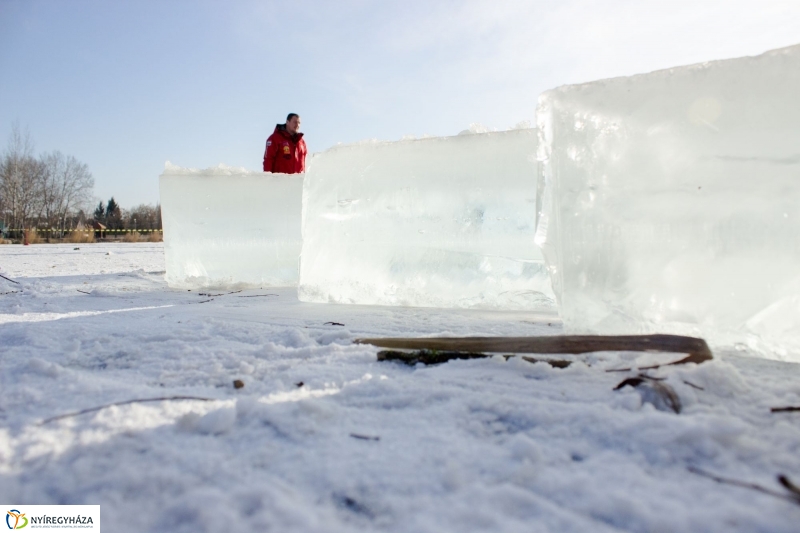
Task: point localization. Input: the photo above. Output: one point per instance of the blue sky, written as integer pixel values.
(127, 85)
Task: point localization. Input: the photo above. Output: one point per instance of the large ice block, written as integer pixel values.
(443, 222)
(671, 199)
(227, 227)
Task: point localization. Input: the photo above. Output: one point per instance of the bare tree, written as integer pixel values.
(45, 191)
(66, 186)
(143, 216)
(20, 177)
(48, 188)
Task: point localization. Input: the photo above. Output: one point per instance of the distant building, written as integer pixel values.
(99, 228)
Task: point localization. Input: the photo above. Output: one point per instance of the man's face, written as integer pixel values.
(293, 125)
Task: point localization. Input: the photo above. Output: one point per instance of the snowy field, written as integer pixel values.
(323, 438)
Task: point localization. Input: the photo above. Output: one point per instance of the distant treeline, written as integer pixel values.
(140, 217)
(55, 191)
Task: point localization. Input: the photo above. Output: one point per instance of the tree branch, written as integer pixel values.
(126, 402)
(793, 496)
(9, 279)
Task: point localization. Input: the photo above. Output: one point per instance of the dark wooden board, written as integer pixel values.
(696, 349)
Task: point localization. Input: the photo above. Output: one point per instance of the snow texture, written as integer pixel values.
(444, 222)
(229, 227)
(670, 200)
(323, 438)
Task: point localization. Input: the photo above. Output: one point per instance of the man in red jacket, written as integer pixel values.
(286, 149)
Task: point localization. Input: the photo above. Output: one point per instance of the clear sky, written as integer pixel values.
(126, 85)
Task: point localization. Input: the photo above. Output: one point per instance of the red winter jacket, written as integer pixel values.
(285, 153)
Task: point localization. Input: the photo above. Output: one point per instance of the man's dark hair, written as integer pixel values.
(290, 116)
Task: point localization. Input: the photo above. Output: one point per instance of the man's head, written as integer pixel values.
(293, 123)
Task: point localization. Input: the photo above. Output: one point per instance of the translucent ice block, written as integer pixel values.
(228, 227)
(672, 199)
(444, 222)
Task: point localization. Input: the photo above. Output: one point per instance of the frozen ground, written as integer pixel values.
(482, 445)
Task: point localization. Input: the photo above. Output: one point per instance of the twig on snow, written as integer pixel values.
(654, 392)
(220, 294)
(9, 279)
(793, 496)
(791, 487)
(333, 324)
(126, 402)
(698, 387)
(785, 409)
(364, 437)
(9, 292)
(255, 295)
(204, 301)
(84, 292)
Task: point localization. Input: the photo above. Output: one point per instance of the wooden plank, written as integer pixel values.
(435, 357)
(696, 348)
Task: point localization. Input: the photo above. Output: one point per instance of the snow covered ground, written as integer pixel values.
(323, 438)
